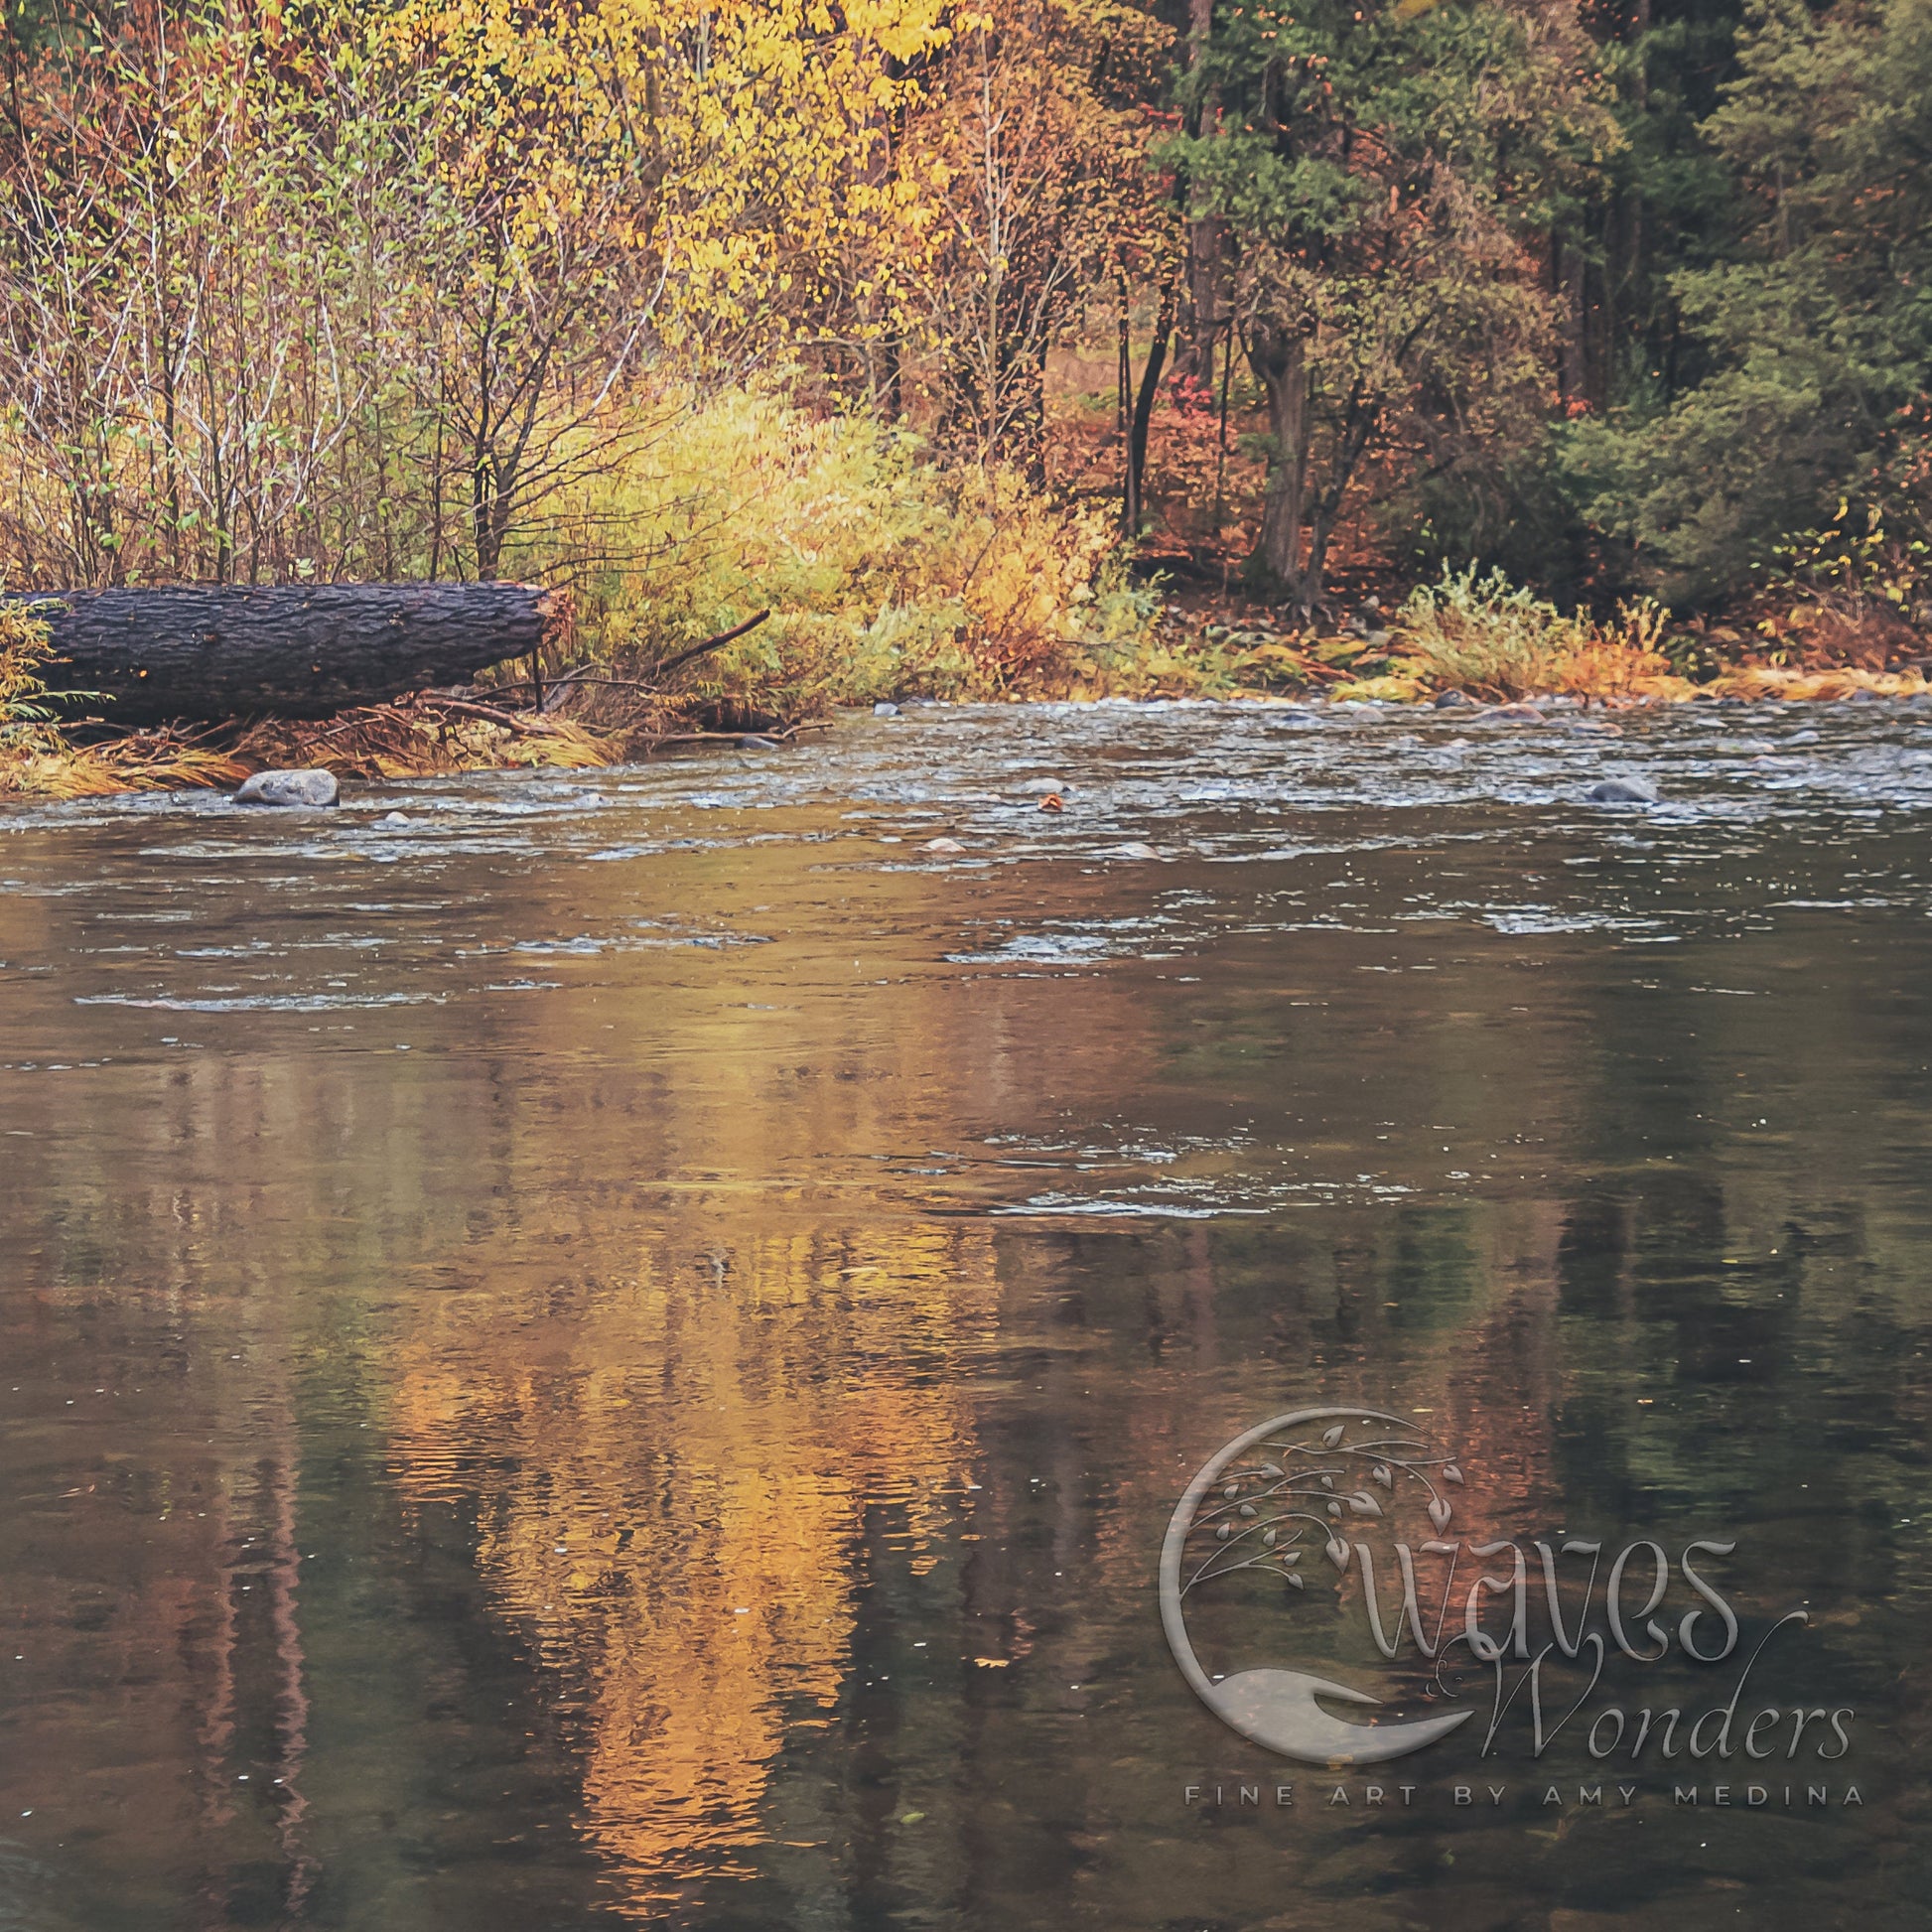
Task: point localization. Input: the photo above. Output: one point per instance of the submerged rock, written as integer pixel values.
(310, 786)
(1622, 791)
(752, 741)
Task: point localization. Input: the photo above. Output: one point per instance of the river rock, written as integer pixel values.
(393, 821)
(310, 786)
(884, 709)
(1805, 736)
(1622, 791)
(1452, 700)
(754, 743)
(944, 845)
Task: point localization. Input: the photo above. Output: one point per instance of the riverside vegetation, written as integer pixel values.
(1073, 347)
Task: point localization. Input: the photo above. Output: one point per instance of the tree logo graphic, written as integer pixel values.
(1279, 1502)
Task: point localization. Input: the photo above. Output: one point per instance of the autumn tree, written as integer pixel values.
(1379, 172)
(1030, 139)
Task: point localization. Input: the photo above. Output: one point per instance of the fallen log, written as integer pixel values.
(288, 650)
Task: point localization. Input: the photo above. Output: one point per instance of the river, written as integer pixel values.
(617, 1348)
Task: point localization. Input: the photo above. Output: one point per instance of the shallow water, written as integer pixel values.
(622, 1351)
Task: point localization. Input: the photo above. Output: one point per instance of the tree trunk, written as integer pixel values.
(293, 650)
(1132, 503)
(1279, 357)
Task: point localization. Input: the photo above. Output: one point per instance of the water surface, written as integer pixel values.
(617, 1350)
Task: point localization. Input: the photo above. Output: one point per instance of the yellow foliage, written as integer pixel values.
(887, 575)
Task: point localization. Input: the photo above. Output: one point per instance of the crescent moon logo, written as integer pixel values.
(1274, 1488)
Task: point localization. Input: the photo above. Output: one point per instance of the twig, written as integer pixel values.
(782, 735)
(518, 722)
(684, 658)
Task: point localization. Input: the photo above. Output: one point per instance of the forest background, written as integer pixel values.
(1054, 347)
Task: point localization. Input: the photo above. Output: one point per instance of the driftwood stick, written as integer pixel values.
(519, 722)
(680, 659)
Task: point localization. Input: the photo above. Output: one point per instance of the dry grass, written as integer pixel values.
(1799, 686)
(147, 763)
(424, 738)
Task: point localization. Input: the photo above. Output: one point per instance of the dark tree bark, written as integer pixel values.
(294, 650)
(1132, 504)
(1278, 357)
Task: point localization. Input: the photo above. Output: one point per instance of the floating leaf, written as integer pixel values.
(1451, 1473)
(1381, 1474)
(1232, 1490)
(1331, 1437)
(1247, 1509)
(1439, 1513)
(1269, 1469)
(1293, 1556)
(1337, 1552)
(1293, 1580)
(1267, 1538)
(1335, 1509)
(1363, 1504)
(1224, 1532)
(1327, 1483)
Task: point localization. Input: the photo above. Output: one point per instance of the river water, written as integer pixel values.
(620, 1350)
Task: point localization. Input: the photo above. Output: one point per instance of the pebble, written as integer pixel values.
(310, 786)
(944, 845)
(393, 821)
(1624, 791)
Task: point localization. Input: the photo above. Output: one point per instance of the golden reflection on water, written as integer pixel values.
(683, 1472)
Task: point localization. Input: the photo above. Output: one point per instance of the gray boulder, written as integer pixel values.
(1622, 791)
(303, 787)
(885, 710)
(1452, 700)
